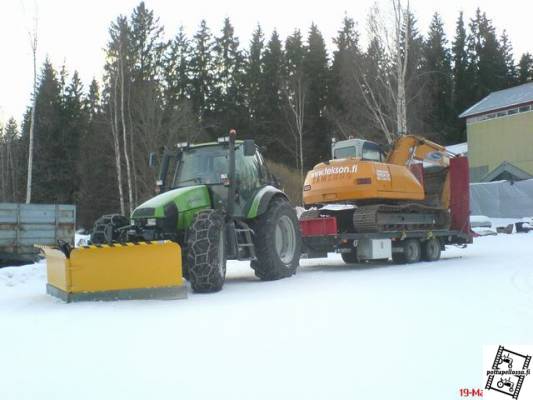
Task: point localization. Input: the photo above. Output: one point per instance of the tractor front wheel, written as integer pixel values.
(206, 252)
(277, 242)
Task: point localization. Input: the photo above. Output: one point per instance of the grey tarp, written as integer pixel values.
(502, 199)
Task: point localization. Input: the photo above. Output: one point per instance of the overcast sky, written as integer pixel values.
(74, 32)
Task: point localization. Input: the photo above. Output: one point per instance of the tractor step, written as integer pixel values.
(243, 241)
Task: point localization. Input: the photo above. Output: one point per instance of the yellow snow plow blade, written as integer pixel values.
(150, 270)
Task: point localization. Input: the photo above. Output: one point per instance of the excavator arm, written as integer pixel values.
(410, 147)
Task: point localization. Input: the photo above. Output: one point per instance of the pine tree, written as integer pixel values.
(438, 79)
(316, 74)
(525, 68)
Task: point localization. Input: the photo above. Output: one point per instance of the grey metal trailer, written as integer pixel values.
(24, 225)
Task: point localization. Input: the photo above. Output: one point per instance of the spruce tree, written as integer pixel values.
(345, 102)
(228, 88)
(74, 126)
(525, 68)
(438, 80)
(463, 80)
(177, 80)
(272, 131)
(511, 76)
(254, 83)
(414, 82)
(316, 74)
(49, 168)
(146, 45)
(97, 187)
(487, 60)
(202, 78)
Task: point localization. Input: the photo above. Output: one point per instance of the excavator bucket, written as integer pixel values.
(145, 270)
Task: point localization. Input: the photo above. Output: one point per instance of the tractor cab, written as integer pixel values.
(357, 148)
(209, 165)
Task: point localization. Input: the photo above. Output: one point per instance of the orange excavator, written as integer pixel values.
(369, 190)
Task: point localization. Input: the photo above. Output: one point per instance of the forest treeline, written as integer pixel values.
(290, 94)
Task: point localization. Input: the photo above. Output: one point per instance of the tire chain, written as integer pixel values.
(202, 252)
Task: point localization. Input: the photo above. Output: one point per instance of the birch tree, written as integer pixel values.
(33, 44)
(386, 97)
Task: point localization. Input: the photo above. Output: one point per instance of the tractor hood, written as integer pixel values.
(185, 199)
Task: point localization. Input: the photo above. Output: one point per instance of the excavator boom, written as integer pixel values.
(411, 147)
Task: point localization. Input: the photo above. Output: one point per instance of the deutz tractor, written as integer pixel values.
(219, 202)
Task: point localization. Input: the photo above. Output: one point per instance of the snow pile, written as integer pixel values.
(372, 331)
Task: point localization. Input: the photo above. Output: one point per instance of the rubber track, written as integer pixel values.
(365, 217)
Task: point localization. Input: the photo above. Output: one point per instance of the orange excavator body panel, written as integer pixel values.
(353, 179)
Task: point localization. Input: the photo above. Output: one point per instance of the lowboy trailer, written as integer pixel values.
(328, 229)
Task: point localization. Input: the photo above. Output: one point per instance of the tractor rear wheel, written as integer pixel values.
(206, 252)
(277, 242)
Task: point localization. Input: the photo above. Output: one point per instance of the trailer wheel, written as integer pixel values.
(277, 242)
(411, 252)
(206, 252)
(431, 250)
(350, 258)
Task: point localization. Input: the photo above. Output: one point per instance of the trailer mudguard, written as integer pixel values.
(261, 200)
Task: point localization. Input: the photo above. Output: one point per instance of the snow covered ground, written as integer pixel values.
(332, 331)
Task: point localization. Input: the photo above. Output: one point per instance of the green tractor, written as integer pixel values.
(219, 202)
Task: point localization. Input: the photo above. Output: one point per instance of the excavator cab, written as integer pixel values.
(357, 148)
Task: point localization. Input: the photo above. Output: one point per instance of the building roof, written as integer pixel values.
(502, 99)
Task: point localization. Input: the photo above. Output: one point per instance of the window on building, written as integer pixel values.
(525, 109)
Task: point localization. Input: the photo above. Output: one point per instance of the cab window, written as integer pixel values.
(372, 152)
(345, 152)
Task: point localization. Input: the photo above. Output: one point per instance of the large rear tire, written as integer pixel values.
(277, 241)
(206, 252)
(431, 250)
(350, 258)
(411, 252)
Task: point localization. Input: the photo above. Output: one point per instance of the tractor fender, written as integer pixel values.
(262, 199)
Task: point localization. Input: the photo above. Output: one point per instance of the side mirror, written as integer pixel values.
(152, 159)
(249, 147)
